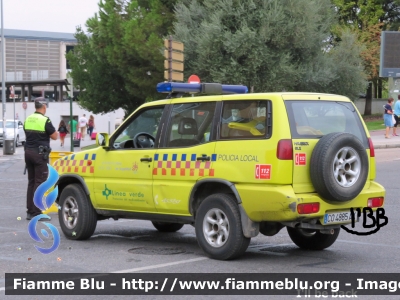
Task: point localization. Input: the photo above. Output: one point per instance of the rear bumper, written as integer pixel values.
(279, 203)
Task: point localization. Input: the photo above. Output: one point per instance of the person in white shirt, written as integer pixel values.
(82, 125)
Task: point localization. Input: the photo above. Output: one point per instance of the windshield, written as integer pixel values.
(313, 119)
(9, 124)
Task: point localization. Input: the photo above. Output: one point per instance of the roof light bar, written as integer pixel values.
(205, 88)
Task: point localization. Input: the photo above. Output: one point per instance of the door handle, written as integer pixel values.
(203, 158)
(148, 159)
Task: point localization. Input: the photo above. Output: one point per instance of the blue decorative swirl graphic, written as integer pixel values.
(44, 202)
(39, 199)
(35, 236)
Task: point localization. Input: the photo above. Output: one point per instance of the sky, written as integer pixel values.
(48, 15)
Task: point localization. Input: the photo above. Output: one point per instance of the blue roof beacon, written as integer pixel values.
(203, 88)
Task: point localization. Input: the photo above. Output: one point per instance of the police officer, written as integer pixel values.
(38, 130)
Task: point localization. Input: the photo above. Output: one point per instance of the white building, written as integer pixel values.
(33, 56)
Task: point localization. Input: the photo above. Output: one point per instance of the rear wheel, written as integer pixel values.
(339, 167)
(78, 218)
(219, 227)
(167, 227)
(312, 239)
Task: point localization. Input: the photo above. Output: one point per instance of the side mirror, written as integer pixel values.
(102, 139)
(20, 126)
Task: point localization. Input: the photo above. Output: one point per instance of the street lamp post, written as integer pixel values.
(3, 83)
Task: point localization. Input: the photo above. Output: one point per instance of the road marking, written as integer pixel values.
(162, 265)
(371, 244)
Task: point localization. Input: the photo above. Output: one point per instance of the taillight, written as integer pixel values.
(371, 148)
(284, 150)
(308, 208)
(375, 202)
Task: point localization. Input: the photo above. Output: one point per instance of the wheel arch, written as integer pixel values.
(207, 187)
(67, 179)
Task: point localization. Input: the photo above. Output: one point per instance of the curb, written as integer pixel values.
(386, 146)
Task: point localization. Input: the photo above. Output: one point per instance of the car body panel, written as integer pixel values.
(269, 188)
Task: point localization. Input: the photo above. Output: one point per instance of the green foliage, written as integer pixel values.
(271, 45)
(362, 14)
(120, 63)
(367, 19)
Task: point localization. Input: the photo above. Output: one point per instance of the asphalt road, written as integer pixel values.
(135, 246)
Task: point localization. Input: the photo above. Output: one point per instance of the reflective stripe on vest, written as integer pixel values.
(35, 122)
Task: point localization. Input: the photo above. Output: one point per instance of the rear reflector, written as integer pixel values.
(375, 202)
(371, 148)
(284, 150)
(308, 208)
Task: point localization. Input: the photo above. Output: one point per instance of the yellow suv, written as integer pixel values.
(233, 165)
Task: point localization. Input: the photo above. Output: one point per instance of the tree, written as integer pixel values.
(268, 45)
(119, 64)
(367, 19)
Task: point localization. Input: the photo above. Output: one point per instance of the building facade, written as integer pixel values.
(36, 55)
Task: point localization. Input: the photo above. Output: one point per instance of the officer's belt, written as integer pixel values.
(33, 149)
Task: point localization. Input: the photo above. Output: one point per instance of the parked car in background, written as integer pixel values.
(19, 131)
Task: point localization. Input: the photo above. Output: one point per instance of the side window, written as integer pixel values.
(145, 121)
(190, 124)
(250, 119)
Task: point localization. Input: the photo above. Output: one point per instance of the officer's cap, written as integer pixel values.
(39, 102)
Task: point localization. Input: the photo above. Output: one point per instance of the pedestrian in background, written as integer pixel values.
(62, 129)
(38, 130)
(91, 125)
(396, 115)
(73, 126)
(388, 116)
(82, 125)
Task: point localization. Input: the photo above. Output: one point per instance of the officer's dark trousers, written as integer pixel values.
(37, 173)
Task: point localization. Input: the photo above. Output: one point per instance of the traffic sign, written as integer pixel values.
(177, 66)
(174, 75)
(177, 46)
(173, 60)
(194, 79)
(178, 56)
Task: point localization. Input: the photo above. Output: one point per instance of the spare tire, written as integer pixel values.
(339, 166)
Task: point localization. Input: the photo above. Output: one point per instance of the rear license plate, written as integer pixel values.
(338, 217)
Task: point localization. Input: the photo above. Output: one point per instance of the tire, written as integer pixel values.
(80, 223)
(312, 239)
(16, 141)
(167, 227)
(228, 241)
(339, 167)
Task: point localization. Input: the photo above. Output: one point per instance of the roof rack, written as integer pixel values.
(177, 89)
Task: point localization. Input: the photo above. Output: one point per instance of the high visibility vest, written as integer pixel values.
(36, 122)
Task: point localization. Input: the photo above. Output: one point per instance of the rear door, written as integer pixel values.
(187, 154)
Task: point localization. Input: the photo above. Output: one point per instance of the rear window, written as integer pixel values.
(313, 119)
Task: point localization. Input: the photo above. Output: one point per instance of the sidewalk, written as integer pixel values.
(380, 142)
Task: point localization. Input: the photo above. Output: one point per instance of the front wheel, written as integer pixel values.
(78, 218)
(16, 141)
(219, 228)
(312, 239)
